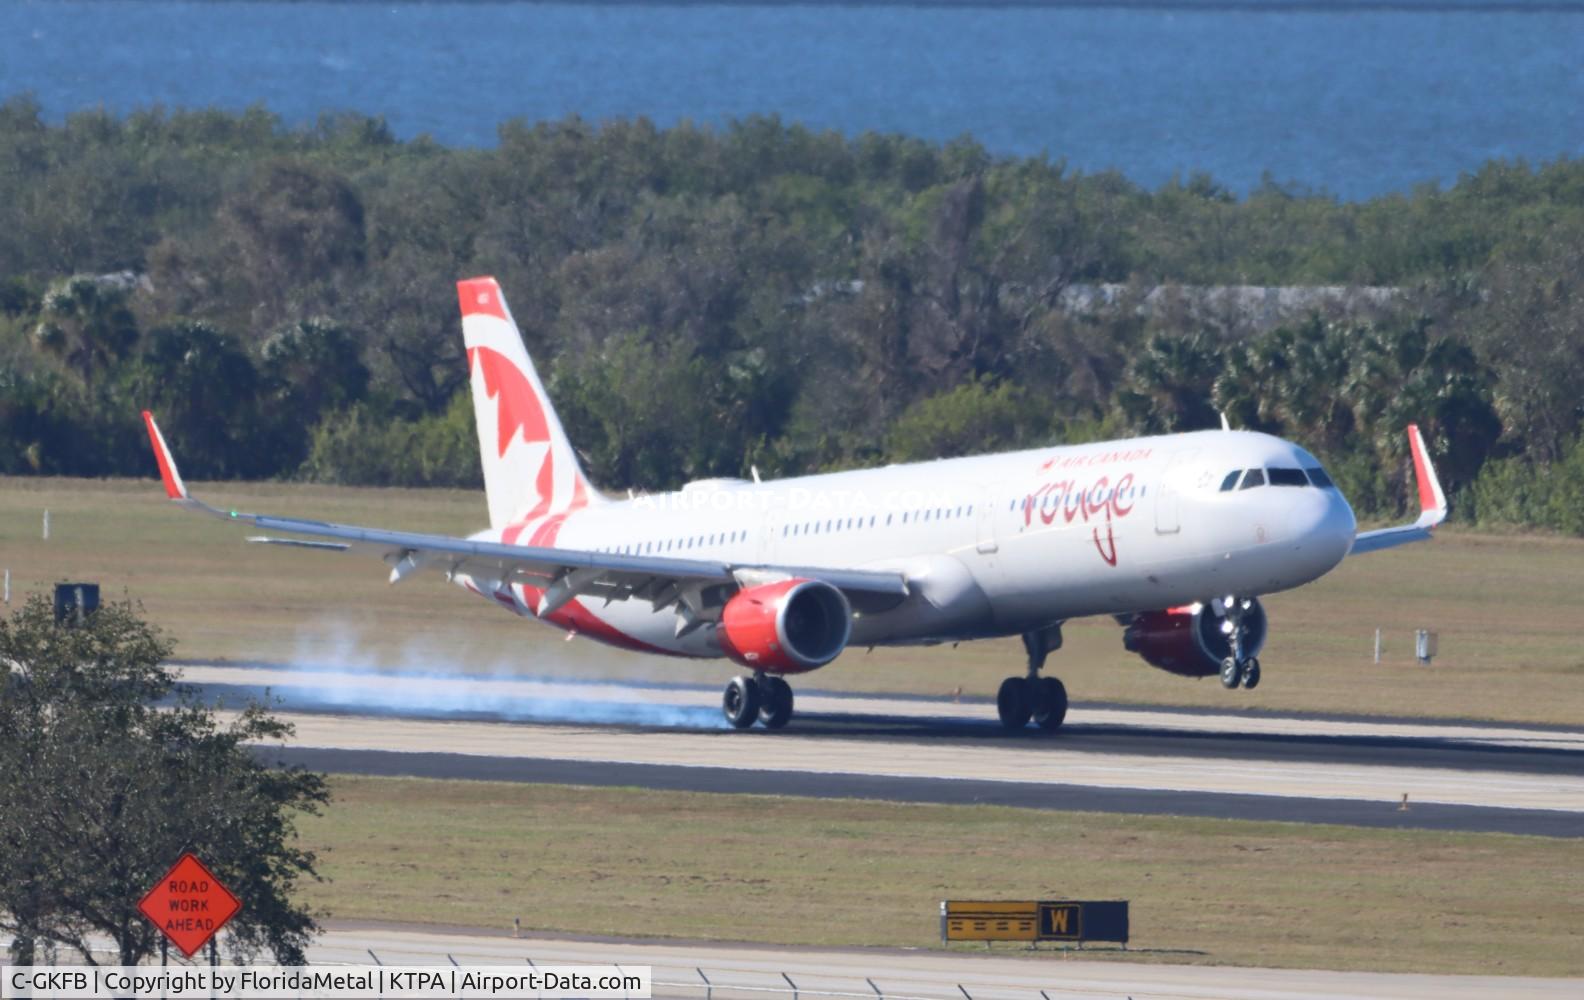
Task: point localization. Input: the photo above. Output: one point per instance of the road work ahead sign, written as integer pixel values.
(189, 905)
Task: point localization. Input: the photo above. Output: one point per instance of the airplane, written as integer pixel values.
(1176, 537)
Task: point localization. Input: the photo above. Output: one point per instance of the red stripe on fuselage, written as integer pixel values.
(573, 616)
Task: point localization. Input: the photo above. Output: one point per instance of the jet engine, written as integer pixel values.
(786, 627)
(1193, 640)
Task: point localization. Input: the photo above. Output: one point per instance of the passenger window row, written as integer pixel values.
(835, 524)
(828, 526)
(1248, 479)
(675, 544)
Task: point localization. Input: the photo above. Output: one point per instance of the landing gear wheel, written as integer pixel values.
(1014, 702)
(1051, 707)
(1231, 673)
(740, 703)
(1251, 673)
(775, 708)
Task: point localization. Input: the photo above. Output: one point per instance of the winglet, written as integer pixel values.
(174, 487)
(1432, 501)
(1432, 505)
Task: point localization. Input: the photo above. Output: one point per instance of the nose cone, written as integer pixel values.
(1322, 528)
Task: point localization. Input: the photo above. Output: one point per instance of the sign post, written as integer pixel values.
(189, 905)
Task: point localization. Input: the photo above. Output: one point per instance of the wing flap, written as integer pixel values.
(300, 543)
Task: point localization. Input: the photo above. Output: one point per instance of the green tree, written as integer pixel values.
(798, 291)
(641, 414)
(1529, 327)
(1298, 375)
(93, 768)
(313, 366)
(205, 389)
(976, 416)
(307, 370)
(1168, 387)
(1450, 395)
(358, 446)
(295, 232)
(38, 433)
(87, 325)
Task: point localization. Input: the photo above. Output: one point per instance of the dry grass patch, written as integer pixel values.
(803, 871)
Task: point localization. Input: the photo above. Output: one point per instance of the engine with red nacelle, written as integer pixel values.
(1196, 640)
(786, 627)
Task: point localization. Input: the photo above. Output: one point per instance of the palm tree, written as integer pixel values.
(86, 324)
(205, 388)
(1168, 387)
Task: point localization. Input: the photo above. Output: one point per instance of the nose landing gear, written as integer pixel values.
(1043, 699)
(1237, 668)
(1245, 672)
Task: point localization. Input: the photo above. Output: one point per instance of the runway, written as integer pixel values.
(715, 971)
(1350, 770)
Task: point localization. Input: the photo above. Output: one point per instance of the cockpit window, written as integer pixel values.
(1287, 477)
(1255, 477)
(1230, 482)
(1318, 476)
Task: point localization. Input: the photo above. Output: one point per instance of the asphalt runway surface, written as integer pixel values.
(1075, 798)
(1458, 775)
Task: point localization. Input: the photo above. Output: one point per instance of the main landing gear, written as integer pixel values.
(759, 698)
(1043, 699)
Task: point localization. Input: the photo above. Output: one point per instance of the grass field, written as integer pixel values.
(1507, 609)
(801, 871)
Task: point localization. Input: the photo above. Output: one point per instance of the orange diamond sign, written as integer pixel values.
(189, 904)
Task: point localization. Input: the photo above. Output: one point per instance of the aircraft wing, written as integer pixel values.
(560, 574)
(1432, 504)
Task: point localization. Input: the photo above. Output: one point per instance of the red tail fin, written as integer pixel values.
(530, 469)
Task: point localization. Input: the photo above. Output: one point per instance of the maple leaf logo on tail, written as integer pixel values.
(530, 470)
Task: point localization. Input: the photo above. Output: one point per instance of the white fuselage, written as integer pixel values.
(990, 545)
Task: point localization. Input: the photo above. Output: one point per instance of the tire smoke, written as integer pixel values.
(332, 670)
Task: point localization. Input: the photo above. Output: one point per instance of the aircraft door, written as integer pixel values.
(770, 542)
(1168, 498)
(984, 518)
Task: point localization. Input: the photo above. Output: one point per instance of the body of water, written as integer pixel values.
(1357, 100)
